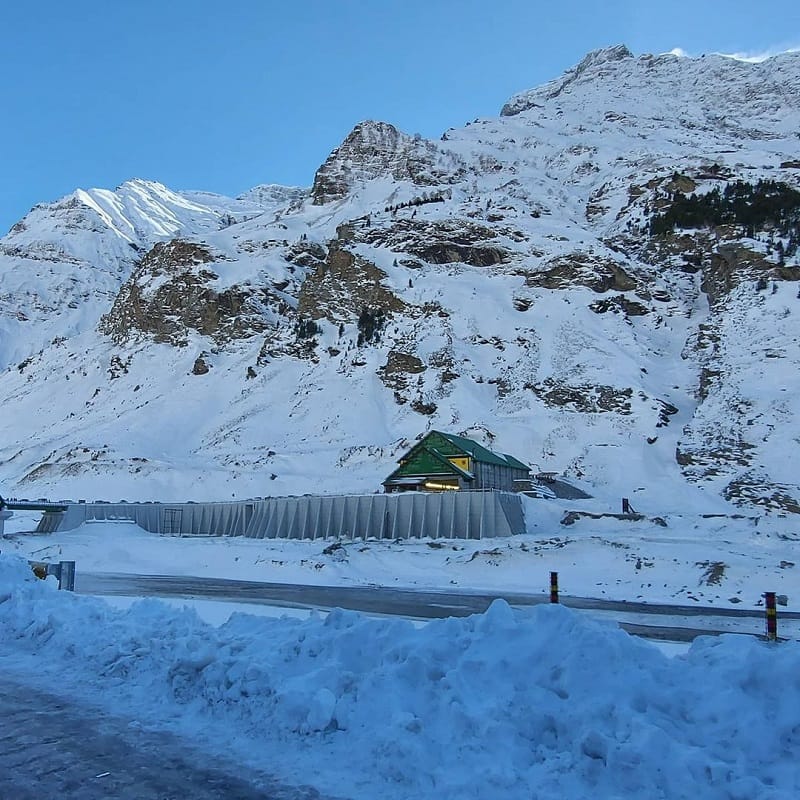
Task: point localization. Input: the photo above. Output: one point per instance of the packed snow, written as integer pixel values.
(499, 705)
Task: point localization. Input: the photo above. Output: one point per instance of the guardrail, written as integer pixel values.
(63, 570)
(772, 600)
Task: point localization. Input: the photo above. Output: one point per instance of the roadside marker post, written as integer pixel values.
(772, 617)
(66, 576)
(553, 587)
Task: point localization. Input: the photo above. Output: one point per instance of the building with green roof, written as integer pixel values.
(446, 462)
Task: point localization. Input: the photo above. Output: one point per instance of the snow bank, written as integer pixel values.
(499, 705)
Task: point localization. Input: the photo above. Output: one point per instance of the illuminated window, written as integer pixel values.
(438, 486)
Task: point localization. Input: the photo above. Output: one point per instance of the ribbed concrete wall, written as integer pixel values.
(449, 515)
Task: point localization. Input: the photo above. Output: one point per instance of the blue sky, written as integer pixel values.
(225, 95)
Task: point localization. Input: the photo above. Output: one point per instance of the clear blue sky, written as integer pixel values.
(227, 94)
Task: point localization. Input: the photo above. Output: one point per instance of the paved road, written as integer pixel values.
(661, 621)
(52, 750)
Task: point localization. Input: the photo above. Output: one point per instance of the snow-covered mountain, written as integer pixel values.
(65, 260)
(600, 281)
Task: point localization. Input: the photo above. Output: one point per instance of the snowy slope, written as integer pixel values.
(63, 261)
(516, 290)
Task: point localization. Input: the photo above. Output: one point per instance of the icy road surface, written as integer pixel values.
(49, 747)
(651, 620)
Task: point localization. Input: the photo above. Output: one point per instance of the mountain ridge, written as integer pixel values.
(503, 280)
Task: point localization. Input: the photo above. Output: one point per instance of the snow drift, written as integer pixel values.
(499, 705)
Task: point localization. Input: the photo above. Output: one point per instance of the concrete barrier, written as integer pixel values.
(446, 515)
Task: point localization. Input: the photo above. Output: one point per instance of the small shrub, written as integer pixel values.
(307, 329)
(370, 323)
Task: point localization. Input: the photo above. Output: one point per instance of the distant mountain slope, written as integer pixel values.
(539, 281)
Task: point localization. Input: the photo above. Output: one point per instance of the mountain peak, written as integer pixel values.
(659, 80)
(370, 130)
(604, 55)
(593, 61)
(371, 150)
(141, 183)
(270, 195)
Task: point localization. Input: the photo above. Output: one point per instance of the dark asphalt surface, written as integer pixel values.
(413, 603)
(52, 750)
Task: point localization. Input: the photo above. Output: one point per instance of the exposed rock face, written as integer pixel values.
(715, 456)
(732, 264)
(396, 372)
(306, 254)
(339, 288)
(171, 292)
(581, 269)
(376, 149)
(619, 304)
(200, 365)
(760, 491)
(586, 399)
(421, 407)
(446, 242)
(452, 253)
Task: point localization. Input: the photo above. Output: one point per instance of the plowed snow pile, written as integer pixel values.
(499, 705)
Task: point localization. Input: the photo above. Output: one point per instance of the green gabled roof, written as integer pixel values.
(480, 453)
(430, 457)
(423, 459)
(454, 467)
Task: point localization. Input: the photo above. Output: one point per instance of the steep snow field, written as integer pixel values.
(499, 705)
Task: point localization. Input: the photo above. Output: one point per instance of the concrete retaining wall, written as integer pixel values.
(447, 515)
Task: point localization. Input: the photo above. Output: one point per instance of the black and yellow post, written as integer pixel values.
(772, 617)
(553, 587)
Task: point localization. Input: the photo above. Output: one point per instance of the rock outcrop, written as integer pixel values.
(171, 292)
(374, 150)
(340, 287)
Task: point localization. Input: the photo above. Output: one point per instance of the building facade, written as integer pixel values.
(445, 462)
